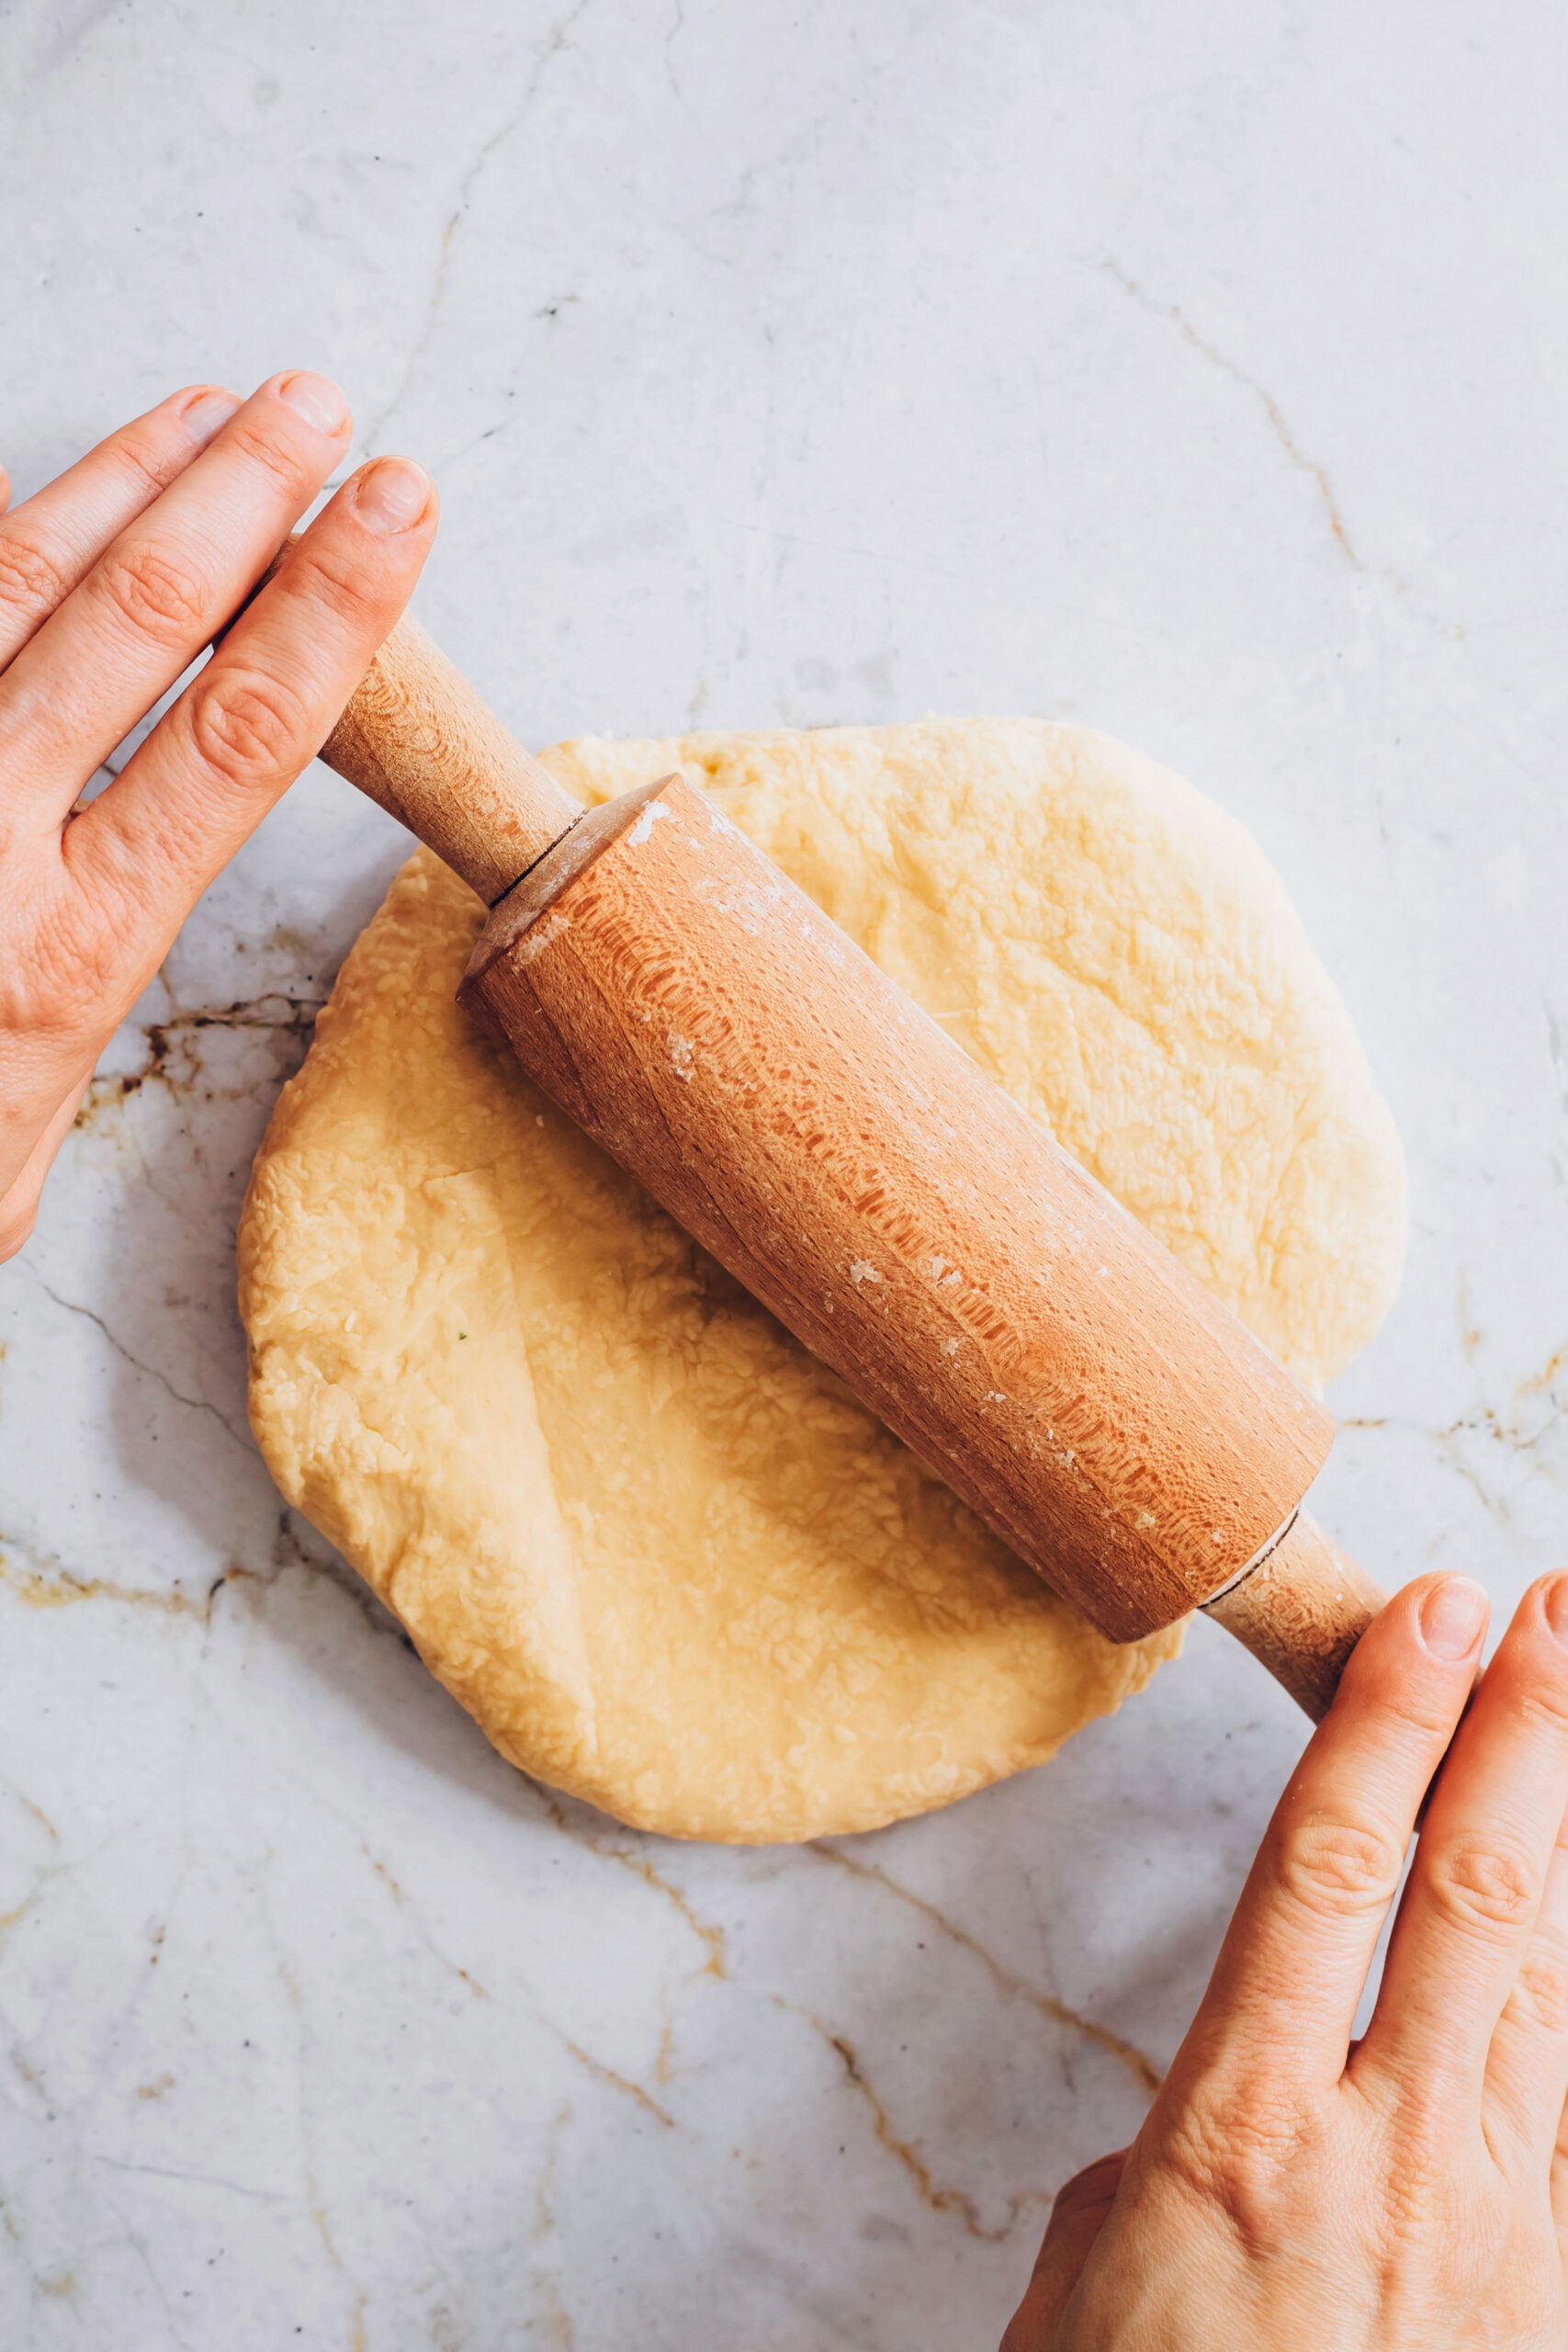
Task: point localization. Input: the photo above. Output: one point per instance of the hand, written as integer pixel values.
(1409, 2192)
(112, 579)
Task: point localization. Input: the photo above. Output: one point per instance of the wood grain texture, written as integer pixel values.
(417, 739)
(712, 1029)
(1301, 1611)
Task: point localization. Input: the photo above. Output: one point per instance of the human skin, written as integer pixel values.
(1407, 2192)
(112, 579)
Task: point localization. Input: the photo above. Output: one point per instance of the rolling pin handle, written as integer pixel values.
(1301, 1613)
(417, 740)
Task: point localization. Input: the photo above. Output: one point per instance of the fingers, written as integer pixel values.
(1283, 1995)
(259, 711)
(18, 1201)
(1077, 2218)
(159, 592)
(1476, 1886)
(1526, 2068)
(50, 542)
(1559, 2183)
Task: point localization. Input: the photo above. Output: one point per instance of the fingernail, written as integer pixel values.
(1452, 1616)
(207, 414)
(1554, 1601)
(317, 400)
(391, 494)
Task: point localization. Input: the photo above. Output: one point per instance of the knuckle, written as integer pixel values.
(1545, 1709)
(1540, 1997)
(90, 969)
(32, 577)
(247, 727)
(1340, 1868)
(1234, 2149)
(339, 580)
(1416, 1714)
(270, 453)
(154, 591)
(146, 466)
(1095, 2186)
(1483, 1886)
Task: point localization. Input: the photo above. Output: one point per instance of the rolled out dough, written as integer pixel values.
(653, 1547)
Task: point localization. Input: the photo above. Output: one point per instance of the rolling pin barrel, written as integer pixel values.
(704, 1022)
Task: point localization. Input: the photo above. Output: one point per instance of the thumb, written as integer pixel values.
(1077, 2218)
(19, 1200)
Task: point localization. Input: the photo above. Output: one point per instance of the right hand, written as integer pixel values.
(1292, 2189)
(112, 579)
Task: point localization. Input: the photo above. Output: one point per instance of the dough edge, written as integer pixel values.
(312, 1422)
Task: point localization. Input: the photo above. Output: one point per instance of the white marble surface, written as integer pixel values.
(1198, 371)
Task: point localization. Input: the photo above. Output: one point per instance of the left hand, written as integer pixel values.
(112, 579)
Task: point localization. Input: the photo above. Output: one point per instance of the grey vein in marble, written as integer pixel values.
(779, 365)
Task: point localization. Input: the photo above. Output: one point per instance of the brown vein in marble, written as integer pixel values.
(313, 2198)
(405, 1903)
(1316, 473)
(553, 2311)
(938, 2197)
(553, 2316)
(664, 2058)
(543, 2210)
(710, 1936)
(1545, 1380)
(45, 1583)
(584, 2058)
(38, 1813)
(1499, 1427)
(1303, 464)
(1143, 2069)
(274, 1013)
(29, 2073)
(1469, 1332)
(60, 1590)
(1487, 1422)
(621, 2083)
(11, 1920)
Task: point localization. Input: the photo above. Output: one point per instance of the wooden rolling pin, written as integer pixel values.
(706, 1024)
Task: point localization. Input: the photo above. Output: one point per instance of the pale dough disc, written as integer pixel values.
(650, 1544)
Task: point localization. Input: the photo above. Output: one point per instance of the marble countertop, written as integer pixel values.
(1195, 372)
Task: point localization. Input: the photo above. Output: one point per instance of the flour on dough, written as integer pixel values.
(655, 1548)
